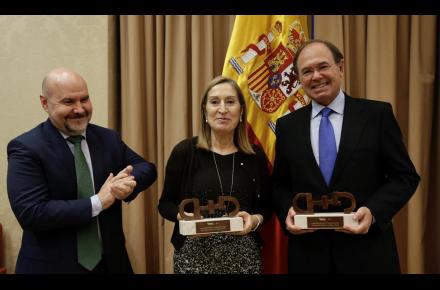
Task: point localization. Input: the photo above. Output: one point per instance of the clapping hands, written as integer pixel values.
(123, 184)
(117, 187)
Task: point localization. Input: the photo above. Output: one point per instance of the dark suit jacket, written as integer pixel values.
(43, 196)
(372, 163)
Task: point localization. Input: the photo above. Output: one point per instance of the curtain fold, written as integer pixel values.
(421, 93)
(431, 236)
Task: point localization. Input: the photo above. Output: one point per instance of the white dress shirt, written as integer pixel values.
(335, 118)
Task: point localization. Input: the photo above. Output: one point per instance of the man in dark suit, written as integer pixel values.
(367, 157)
(43, 185)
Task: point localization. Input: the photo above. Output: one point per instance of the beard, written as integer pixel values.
(77, 125)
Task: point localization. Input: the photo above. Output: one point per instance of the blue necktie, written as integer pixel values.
(327, 145)
(88, 243)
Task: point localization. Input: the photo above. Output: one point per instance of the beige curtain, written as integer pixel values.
(392, 58)
(166, 61)
(432, 232)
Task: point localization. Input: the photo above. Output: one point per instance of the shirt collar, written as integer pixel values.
(67, 136)
(337, 105)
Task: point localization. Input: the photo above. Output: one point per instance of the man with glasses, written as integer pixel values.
(340, 143)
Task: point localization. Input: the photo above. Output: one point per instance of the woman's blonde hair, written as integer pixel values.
(241, 139)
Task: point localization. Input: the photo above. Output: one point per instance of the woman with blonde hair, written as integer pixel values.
(219, 162)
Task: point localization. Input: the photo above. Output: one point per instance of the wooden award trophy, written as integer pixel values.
(196, 224)
(308, 219)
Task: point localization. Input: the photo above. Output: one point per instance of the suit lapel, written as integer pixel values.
(59, 147)
(307, 143)
(352, 130)
(97, 157)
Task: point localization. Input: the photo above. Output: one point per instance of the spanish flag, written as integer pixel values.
(260, 58)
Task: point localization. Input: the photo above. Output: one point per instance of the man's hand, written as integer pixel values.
(290, 224)
(106, 198)
(123, 184)
(364, 216)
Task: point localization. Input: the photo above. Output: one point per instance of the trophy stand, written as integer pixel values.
(308, 219)
(196, 224)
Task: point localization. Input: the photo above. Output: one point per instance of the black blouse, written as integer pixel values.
(191, 172)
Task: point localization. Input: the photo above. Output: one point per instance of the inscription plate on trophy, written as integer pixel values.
(308, 219)
(196, 224)
(213, 226)
(316, 222)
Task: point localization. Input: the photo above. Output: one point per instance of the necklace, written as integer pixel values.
(219, 178)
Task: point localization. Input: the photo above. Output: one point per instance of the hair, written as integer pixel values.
(337, 54)
(241, 139)
(47, 89)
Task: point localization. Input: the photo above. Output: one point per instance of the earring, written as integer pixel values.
(241, 118)
(206, 120)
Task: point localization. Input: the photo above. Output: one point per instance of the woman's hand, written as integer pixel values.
(250, 222)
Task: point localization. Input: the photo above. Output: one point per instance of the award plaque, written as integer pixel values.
(308, 219)
(196, 224)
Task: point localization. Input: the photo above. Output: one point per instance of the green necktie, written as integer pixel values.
(89, 245)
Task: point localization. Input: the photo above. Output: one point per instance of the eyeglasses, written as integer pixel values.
(308, 72)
